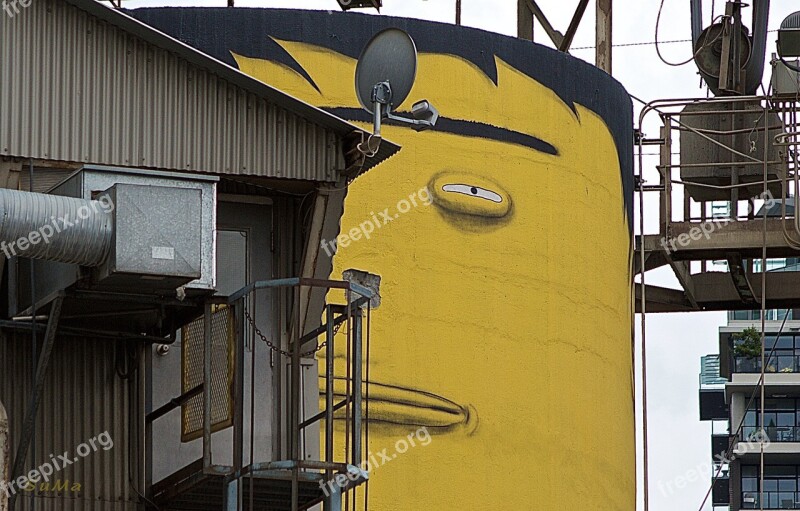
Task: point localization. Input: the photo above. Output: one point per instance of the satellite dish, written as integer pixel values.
(390, 56)
(385, 74)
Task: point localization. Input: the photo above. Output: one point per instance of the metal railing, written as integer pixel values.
(774, 433)
(775, 364)
(772, 500)
(295, 298)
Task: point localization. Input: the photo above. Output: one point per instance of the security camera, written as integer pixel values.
(424, 111)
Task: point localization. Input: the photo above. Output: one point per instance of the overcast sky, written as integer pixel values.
(679, 442)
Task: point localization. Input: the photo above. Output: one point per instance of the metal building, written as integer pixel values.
(90, 95)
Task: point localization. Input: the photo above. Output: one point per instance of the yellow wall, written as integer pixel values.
(505, 325)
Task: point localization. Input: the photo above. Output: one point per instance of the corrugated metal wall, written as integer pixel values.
(77, 89)
(83, 397)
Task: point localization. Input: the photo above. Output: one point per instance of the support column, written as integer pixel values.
(524, 20)
(603, 38)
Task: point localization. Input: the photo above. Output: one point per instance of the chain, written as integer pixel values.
(278, 349)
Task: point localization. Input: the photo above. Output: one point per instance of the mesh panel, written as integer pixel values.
(222, 345)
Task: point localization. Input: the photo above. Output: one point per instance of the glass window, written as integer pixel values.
(749, 470)
(780, 471)
(785, 418)
(770, 484)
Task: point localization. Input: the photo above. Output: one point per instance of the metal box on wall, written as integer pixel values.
(92, 182)
(706, 161)
(156, 241)
(785, 82)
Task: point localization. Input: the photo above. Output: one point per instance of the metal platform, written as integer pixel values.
(714, 220)
(192, 488)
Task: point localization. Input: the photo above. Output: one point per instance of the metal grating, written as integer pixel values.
(222, 366)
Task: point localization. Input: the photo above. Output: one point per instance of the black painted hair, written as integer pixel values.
(249, 32)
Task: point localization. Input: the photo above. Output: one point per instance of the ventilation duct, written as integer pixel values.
(116, 231)
(55, 228)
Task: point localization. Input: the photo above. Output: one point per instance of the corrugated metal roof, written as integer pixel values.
(85, 83)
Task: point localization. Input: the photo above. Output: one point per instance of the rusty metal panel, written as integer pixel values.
(79, 89)
(85, 396)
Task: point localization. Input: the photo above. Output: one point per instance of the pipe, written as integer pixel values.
(696, 8)
(55, 228)
(754, 70)
(4, 449)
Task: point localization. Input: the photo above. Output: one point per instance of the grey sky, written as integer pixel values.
(679, 442)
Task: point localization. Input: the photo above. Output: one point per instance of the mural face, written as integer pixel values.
(505, 322)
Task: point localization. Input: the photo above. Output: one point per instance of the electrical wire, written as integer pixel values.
(729, 451)
(695, 54)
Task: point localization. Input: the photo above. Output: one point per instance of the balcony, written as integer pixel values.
(772, 500)
(774, 433)
(775, 364)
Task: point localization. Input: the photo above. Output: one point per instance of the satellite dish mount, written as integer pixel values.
(385, 74)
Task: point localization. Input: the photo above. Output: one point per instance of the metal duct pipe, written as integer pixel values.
(696, 8)
(5, 447)
(55, 228)
(754, 70)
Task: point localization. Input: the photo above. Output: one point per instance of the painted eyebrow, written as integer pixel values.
(464, 128)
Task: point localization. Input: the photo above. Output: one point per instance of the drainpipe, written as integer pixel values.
(4, 448)
(696, 9)
(755, 67)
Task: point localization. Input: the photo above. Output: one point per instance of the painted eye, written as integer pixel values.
(474, 191)
(451, 192)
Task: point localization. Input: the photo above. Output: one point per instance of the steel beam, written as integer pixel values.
(358, 354)
(36, 395)
(555, 36)
(738, 273)
(715, 291)
(524, 20)
(714, 239)
(684, 276)
(603, 39)
(573, 26)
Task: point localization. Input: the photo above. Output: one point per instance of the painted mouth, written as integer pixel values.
(394, 406)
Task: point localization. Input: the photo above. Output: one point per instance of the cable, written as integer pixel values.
(749, 402)
(643, 43)
(643, 311)
(678, 64)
